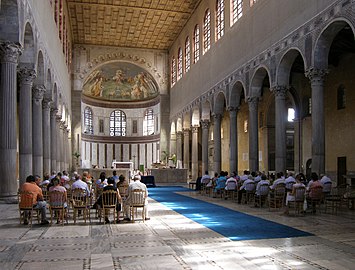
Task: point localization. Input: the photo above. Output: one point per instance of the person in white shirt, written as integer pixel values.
(205, 178)
(289, 181)
(137, 184)
(279, 180)
(81, 184)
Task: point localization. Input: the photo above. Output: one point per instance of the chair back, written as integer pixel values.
(264, 189)
(327, 187)
(280, 190)
(250, 187)
(231, 185)
(79, 197)
(300, 194)
(57, 199)
(290, 184)
(109, 198)
(137, 198)
(123, 190)
(316, 193)
(25, 199)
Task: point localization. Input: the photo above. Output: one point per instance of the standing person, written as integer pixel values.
(38, 202)
(115, 177)
(137, 184)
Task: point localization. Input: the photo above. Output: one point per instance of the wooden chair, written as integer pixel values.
(248, 195)
(44, 189)
(80, 202)
(123, 190)
(263, 195)
(333, 200)
(25, 207)
(297, 204)
(109, 202)
(277, 197)
(137, 200)
(58, 205)
(316, 198)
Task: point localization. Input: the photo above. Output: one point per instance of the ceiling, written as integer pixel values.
(150, 24)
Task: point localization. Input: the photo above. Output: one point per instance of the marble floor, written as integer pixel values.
(172, 241)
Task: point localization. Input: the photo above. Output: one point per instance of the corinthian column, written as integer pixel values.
(233, 154)
(37, 138)
(9, 53)
(253, 134)
(205, 130)
(59, 143)
(280, 127)
(46, 119)
(194, 153)
(179, 150)
(187, 149)
(26, 77)
(54, 140)
(316, 77)
(217, 142)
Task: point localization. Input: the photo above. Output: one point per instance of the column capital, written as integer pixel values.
(186, 131)
(26, 75)
(46, 103)
(54, 112)
(38, 93)
(205, 123)
(217, 116)
(253, 103)
(194, 129)
(233, 108)
(279, 90)
(317, 74)
(10, 51)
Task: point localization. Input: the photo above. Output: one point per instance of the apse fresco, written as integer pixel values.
(120, 81)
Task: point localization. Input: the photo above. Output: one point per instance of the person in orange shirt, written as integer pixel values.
(38, 202)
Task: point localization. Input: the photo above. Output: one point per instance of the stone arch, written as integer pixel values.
(40, 69)
(219, 103)
(55, 96)
(28, 57)
(195, 118)
(173, 128)
(206, 110)
(186, 120)
(257, 81)
(325, 40)
(179, 124)
(236, 94)
(284, 68)
(10, 29)
(49, 85)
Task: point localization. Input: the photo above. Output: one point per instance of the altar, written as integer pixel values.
(169, 175)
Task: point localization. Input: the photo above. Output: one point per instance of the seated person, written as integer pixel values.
(38, 202)
(231, 183)
(263, 181)
(290, 197)
(110, 186)
(57, 187)
(243, 188)
(221, 182)
(80, 184)
(137, 184)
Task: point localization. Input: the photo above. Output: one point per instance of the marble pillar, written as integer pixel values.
(37, 129)
(179, 150)
(9, 53)
(187, 149)
(280, 127)
(172, 144)
(64, 146)
(194, 153)
(205, 124)
(316, 77)
(46, 120)
(217, 157)
(233, 150)
(26, 77)
(54, 140)
(59, 142)
(253, 134)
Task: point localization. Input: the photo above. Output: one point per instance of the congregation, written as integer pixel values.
(278, 191)
(59, 193)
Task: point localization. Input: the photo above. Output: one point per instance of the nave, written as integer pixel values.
(172, 241)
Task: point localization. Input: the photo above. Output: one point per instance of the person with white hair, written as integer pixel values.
(137, 184)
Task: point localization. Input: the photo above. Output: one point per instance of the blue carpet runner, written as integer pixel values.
(229, 223)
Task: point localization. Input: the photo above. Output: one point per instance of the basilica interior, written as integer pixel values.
(174, 89)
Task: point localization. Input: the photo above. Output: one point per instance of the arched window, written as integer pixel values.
(196, 43)
(88, 127)
(207, 31)
(148, 122)
(237, 10)
(179, 64)
(118, 123)
(187, 54)
(219, 19)
(173, 71)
